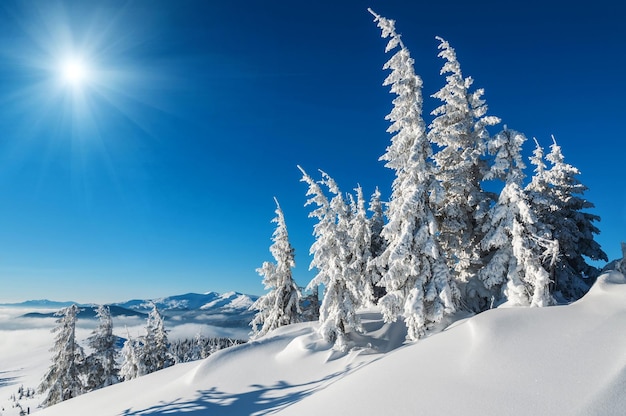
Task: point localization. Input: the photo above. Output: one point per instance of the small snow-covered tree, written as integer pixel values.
(459, 130)
(360, 249)
(416, 279)
(132, 366)
(154, 353)
(572, 226)
(63, 381)
(101, 365)
(330, 258)
(281, 306)
(515, 245)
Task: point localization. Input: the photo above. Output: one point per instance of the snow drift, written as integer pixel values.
(515, 361)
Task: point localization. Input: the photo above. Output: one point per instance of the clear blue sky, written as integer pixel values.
(157, 175)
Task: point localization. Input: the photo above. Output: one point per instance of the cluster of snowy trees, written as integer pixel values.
(148, 353)
(23, 394)
(199, 347)
(443, 242)
(73, 373)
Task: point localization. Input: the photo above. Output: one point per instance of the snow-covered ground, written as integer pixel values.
(565, 360)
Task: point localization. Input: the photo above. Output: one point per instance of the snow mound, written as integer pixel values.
(514, 361)
(555, 360)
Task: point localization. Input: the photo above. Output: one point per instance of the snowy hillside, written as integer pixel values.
(514, 361)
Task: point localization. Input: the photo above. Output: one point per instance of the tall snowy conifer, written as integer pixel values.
(459, 130)
(154, 352)
(101, 365)
(417, 281)
(514, 245)
(330, 258)
(281, 306)
(62, 381)
(571, 226)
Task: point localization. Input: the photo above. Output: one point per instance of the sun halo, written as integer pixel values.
(74, 72)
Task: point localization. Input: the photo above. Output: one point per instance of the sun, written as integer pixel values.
(74, 72)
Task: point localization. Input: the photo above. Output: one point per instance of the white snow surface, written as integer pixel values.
(565, 360)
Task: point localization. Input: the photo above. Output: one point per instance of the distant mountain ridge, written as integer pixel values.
(187, 301)
(89, 312)
(193, 301)
(230, 309)
(41, 304)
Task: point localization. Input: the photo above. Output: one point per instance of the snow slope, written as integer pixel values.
(516, 361)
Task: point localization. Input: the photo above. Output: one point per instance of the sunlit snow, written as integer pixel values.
(514, 361)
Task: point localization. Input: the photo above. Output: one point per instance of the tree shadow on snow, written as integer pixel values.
(259, 400)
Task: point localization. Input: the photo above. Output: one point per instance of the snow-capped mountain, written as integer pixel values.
(208, 302)
(228, 310)
(231, 309)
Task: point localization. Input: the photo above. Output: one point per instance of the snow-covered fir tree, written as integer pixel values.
(572, 226)
(132, 366)
(515, 242)
(101, 365)
(149, 353)
(281, 305)
(330, 258)
(459, 130)
(360, 250)
(63, 381)
(154, 352)
(418, 284)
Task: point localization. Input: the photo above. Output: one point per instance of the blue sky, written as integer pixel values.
(157, 175)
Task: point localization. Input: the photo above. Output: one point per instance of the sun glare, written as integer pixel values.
(74, 72)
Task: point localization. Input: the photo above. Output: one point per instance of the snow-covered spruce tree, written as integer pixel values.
(101, 365)
(360, 249)
(132, 366)
(571, 226)
(281, 305)
(377, 244)
(515, 243)
(418, 284)
(459, 130)
(155, 352)
(62, 381)
(330, 250)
